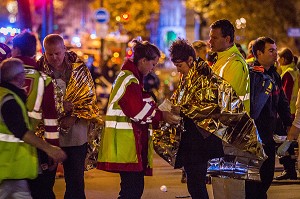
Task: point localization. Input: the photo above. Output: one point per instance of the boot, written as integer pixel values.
(289, 169)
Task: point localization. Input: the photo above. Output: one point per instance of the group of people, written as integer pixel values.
(46, 105)
(49, 105)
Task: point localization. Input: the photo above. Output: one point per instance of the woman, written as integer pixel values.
(196, 146)
(126, 145)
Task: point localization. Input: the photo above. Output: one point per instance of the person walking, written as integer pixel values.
(126, 144)
(76, 104)
(18, 141)
(274, 102)
(41, 111)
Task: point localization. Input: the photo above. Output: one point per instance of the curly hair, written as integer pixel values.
(181, 50)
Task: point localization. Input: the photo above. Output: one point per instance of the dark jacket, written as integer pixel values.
(276, 103)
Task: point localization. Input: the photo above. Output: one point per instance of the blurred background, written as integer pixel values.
(100, 30)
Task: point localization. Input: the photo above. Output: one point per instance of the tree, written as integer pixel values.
(264, 18)
(137, 15)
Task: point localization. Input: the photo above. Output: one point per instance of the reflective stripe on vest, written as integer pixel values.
(9, 138)
(50, 122)
(118, 125)
(51, 135)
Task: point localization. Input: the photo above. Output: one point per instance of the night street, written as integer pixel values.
(104, 185)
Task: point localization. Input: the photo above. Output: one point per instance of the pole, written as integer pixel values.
(50, 18)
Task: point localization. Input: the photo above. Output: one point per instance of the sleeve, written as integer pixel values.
(138, 110)
(50, 115)
(296, 121)
(13, 118)
(287, 85)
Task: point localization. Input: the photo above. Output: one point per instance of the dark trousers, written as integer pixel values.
(42, 186)
(258, 190)
(196, 185)
(132, 185)
(74, 171)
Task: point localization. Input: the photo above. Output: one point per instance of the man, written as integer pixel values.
(41, 106)
(265, 53)
(230, 64)
(76, 102)
(17, 140)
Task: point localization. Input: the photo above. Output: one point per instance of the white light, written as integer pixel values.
(12, 7)
(93, 36)
(243, 20)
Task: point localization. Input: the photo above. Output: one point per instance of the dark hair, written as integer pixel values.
(227, 29)
(295, 59)
(26, 42)
(287, 54)
(260, 43)
(144, 49)
(180, 50)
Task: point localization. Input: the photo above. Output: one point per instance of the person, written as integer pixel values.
(243, 53)
(230, 64)
(250, 56)
(17, 137)
(130, 113)
(200, 49)
(290, 79)
(5, 52)
(265, 53)
(194, 149)
(41, 106)
(76, 105)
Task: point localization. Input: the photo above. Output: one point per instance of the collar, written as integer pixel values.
(228, 52)
(28, 61)
(129, 65)
(19, 91)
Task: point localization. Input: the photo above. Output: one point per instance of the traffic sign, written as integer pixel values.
(102, 15)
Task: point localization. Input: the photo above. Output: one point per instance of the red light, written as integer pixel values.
(125, 16)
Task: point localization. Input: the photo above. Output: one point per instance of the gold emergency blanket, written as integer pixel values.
(215, 107)
(81, 93)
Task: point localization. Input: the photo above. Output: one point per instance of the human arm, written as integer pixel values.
(15, 123)
(287, 85)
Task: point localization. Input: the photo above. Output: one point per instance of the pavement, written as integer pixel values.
(105, 185)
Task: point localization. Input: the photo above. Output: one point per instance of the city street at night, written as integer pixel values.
(104, 185)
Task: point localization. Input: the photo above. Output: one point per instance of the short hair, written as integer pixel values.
(53, 39)
(180, 51)
(260, 43)
(26, 42)
(144, 49)
(287, 54)
(227, 29)
(9, 68)
(199, 44)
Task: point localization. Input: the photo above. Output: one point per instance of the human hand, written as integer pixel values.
(56, 153)
(170, 118)
(282, 149)
(68, 106)
(175, 110)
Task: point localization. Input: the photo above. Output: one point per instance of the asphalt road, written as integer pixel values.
(105, 185)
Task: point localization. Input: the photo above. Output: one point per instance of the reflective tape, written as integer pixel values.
(35, 115)
(51, 135)
(118, 125)
(9, 138)
(50, 122)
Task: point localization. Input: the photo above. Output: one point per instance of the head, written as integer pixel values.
(146, 56)
(12, 71)
(239, 46)
(249, 51)
(200, 49)
(285, 56)
(24, 44)
(264, 50)
(55, 50)
(5, 52)
(221, 35)
(182, 55)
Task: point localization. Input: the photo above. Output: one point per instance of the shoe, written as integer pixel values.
(286, 176)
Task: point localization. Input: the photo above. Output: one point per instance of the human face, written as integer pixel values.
(55, 54)
(269, 56)
(217, 42)
(146, 66)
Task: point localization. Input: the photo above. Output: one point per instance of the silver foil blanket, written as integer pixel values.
(215, 107)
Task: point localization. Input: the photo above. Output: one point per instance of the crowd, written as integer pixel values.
(48, 106)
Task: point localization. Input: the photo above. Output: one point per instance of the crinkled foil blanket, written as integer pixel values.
(80, 91)
(214, 106)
